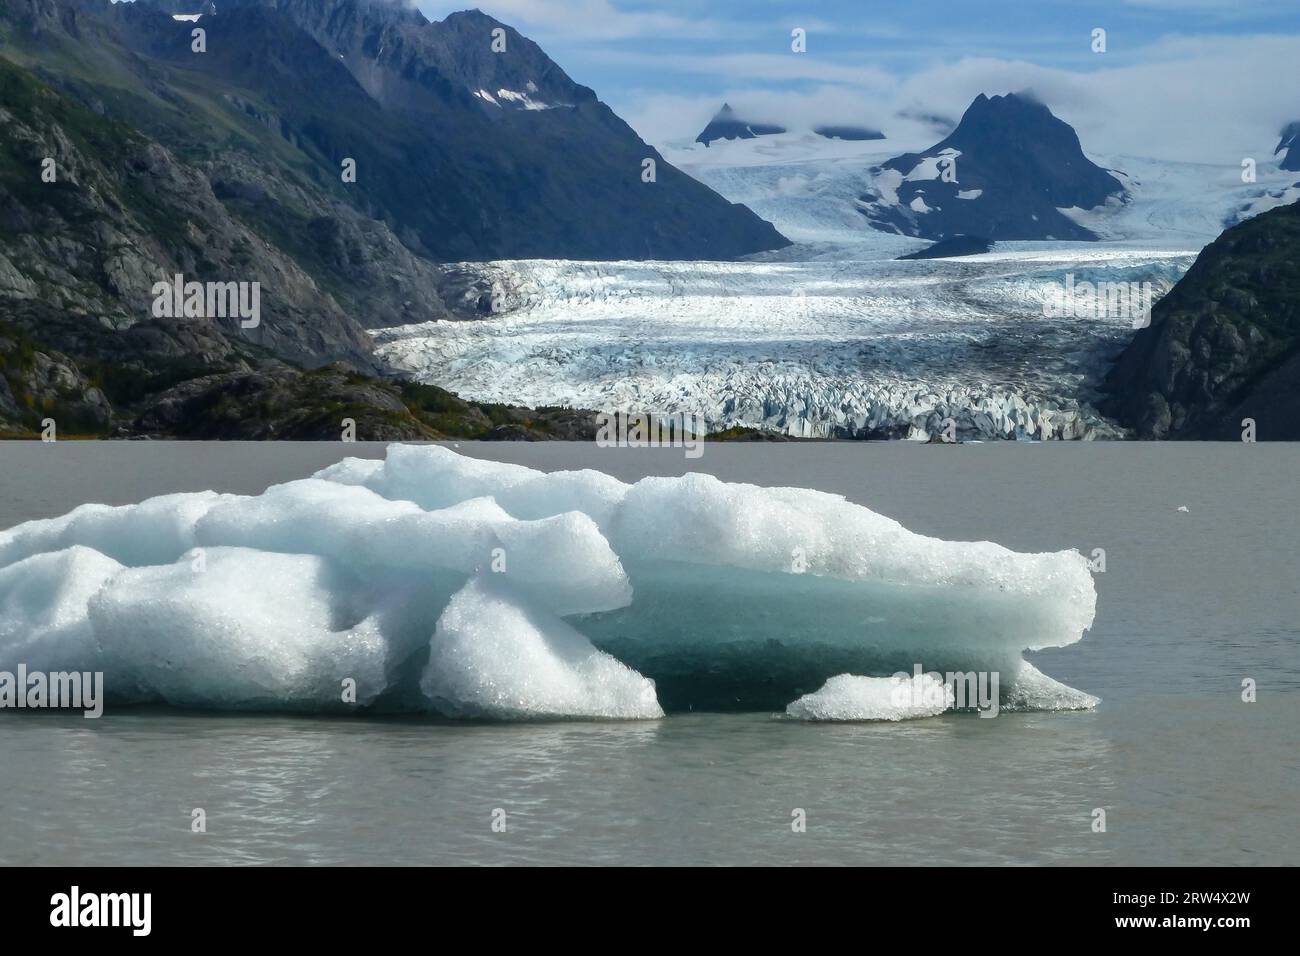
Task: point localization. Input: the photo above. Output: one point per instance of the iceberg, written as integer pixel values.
(849, 697)
(431, 581)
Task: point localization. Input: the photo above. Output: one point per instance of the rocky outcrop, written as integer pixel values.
(951, 248)
(1223, 345)
(325, 404)
(160, 380)
(39, 386)
(852, 133)
(1289, 147)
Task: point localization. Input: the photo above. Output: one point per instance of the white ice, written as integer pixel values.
(849, 697)
(832, 336)
(495, 657)
(432, 581)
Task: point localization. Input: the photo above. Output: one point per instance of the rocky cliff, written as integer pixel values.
(1223, 345)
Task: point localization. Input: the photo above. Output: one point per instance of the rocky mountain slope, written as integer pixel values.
(1007, 171)
(128, 156)
(468, 140)
(1223, 345)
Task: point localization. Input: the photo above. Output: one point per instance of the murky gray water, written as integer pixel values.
(1191, 603)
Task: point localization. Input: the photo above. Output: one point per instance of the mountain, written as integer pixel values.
(227, 166)
(78, 343)
(1290, 143)
(848, 132)
(727, 125)
(952, 248)
(1010, 170)
(468, 154)
(1223, 345)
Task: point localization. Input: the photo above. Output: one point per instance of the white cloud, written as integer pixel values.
(1207, 99)
(591, 20)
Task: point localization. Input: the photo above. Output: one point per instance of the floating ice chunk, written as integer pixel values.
(155, 531)
(233, 628)
(849, 697)
(725, 595)
(43, 599)
(495, 656)
(1034, 690)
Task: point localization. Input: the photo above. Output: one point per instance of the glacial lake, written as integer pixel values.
(1192, 603)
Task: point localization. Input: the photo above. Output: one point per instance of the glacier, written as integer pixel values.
(433, 582)
(831, 337)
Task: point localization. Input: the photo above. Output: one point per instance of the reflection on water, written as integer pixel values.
(1180, 782)
(698, 788)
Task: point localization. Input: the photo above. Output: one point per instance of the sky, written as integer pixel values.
(1201, 80)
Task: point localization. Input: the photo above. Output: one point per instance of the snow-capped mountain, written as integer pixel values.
(468, 139)
(1010, 170)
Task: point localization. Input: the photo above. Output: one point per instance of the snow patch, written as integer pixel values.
(525, 100)
(932, 167)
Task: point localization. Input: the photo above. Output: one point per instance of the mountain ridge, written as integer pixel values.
(227, 166)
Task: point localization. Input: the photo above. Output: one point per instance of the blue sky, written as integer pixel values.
(1169, 64)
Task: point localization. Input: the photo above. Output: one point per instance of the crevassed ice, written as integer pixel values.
(438, 582)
